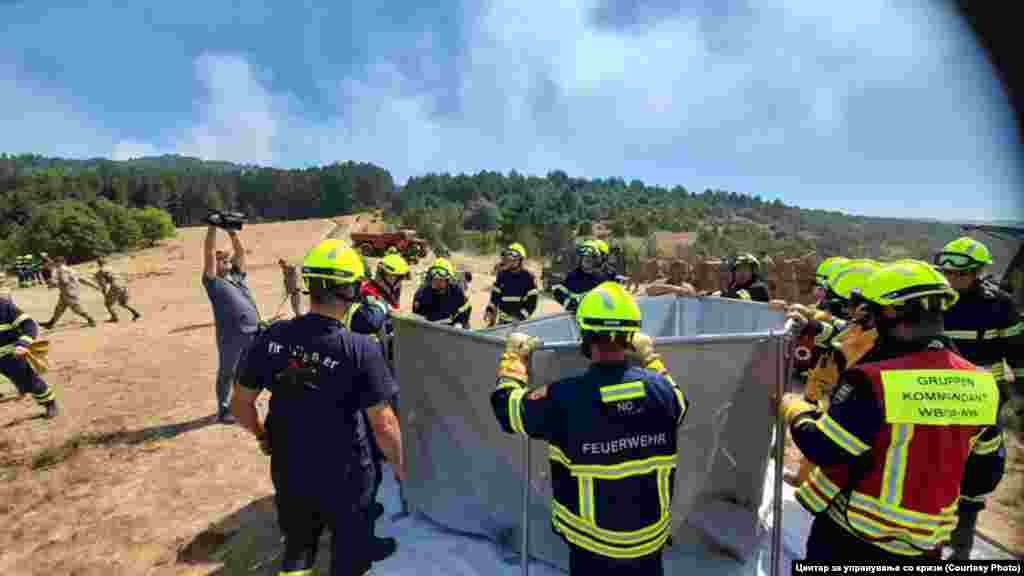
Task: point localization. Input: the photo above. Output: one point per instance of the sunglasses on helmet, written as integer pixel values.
(955, 261)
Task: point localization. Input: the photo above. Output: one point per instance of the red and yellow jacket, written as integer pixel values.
(909, 436)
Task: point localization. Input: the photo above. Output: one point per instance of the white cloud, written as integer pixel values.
(863, 95)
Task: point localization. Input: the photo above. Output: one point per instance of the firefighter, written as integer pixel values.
(514, 295)
(322, 378)
(987, 330)
(441, 299)
(17, 332)
(47, 269)
(591, 270)
(910, 431)
(114, 292)
(386, 286)
(22, 270)
(67, 282)
(745, 281)
(840, 344)
(611, 436)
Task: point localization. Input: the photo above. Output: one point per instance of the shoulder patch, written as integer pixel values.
(842, 393)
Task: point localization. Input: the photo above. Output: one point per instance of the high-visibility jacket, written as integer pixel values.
(449, 306)
(987, 330)
(577, 283)
(755, 290)
(611, 437)
(514, 295)
(923, 425)
(17, 329)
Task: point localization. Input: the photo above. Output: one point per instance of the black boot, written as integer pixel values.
(51, 410)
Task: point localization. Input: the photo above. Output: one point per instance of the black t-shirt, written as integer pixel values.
(321, 377)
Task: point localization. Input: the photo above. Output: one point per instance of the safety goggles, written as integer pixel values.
(510, 255)
(955, 261)
(439, 273)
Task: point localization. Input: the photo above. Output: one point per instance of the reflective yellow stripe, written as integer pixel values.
(624, 391)
(533, 292)
(1015, 330)
(5, 350)
(895, 470)
(964, 497)
(633, 537)
(991, 334)
(961, 334)
(513, 298)
(310, 572)
(556, 454)
(826, 333)
(664, 494)
(496, 290)
(681, 398)
(982, 447)
(743, 294)
(515, 410)
(508, 383)
(998, 370)
(26, 339)
(584, 541)
(586, 496)
(903, 521)
(626, 469)
(560, 288)
(841, 436)
(462, 308)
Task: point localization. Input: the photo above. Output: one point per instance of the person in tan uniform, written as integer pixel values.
(291, 285)
(114, 291)
(67, 282)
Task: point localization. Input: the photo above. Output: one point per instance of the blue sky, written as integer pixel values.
(870, 107)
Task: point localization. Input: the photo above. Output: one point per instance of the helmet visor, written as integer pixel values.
(510, 255)
(439, 273)
(955, 261)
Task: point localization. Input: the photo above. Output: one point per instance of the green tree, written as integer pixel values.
(155, 224)
(124, 228)
(68, 228)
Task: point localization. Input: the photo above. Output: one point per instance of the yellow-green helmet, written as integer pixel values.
(827, 266)
(588, 248)
(441, 268)
(746, 258)
(851, 275)
(897, 283)
(963, 254)
(608, 308)
(334, 261)
(393, 264)
(516, 249)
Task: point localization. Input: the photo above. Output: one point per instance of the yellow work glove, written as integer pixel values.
(513, 364)
(642, 351)
(794, 405)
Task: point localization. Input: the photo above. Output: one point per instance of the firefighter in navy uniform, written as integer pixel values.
(17, 332)
(514, 296)
(591, 271)
(987, 330)
(745, 280)
(441, 299)
(322, 377)
(386, 286)
(611, 436)
(910, 431)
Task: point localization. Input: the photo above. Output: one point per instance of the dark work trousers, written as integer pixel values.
(302, 522)
(829, 541)
(229, 349)
(583, 562)
(25, 379)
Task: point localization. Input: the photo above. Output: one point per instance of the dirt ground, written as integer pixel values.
(136, 477)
